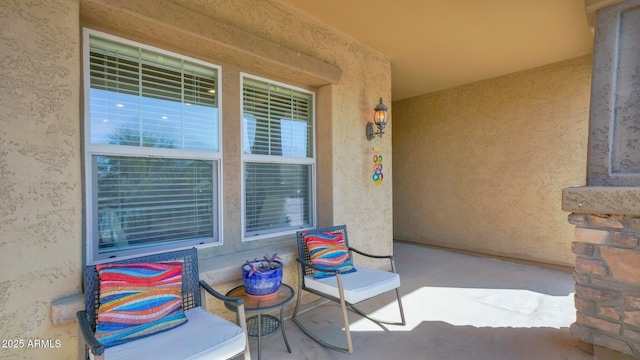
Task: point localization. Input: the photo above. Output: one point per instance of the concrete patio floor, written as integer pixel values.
(458, 307)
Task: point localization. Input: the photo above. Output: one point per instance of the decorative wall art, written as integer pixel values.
(377, 169)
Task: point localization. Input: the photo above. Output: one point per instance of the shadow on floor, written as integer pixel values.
(458, 307)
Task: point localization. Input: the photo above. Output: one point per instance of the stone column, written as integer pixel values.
(606, 212)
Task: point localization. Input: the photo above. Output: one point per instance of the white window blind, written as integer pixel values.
(152, 149)
(277, 120)
(144, 98)
(151, 201)
(278, 197)
(278, 158)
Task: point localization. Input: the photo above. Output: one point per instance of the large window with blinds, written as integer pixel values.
(152, 149)
(278, 158)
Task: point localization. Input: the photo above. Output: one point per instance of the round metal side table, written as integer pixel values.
(262, 324)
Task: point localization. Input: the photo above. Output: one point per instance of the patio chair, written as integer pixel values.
(325, 268)
(186, 329)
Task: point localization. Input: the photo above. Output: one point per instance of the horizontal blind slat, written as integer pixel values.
(276, 122)
(156, 199)
(160, 83)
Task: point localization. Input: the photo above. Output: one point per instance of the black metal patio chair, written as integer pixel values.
(203, 335)
(338, 283)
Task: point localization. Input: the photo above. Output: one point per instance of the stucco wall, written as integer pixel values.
(40, 177)
(41, 191)
(481, 167)
(347, 195)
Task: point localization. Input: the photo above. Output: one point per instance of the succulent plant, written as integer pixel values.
(267, 263)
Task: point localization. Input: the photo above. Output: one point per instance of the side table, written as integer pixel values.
(261, 324)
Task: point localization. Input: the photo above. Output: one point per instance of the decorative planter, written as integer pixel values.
(262, 284)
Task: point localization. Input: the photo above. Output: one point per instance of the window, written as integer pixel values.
(152, 156)
(278, 158)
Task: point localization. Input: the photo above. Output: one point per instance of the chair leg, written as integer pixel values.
(82, 346)
(345, 316)
(393, 269)
(294, 318)
(379, 322)
(366, 316)
(343, 307)
(242, 322)
(299, 297)
(403, 321)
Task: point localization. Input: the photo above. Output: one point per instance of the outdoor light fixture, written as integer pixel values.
(380, 118)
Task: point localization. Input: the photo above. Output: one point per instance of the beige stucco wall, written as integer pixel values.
(40, 177)
(346, 193)
(481, 167)
(41, 191)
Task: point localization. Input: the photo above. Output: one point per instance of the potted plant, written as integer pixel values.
(262, 278)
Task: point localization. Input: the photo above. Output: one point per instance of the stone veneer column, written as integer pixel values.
(606, 212)
(607, 275)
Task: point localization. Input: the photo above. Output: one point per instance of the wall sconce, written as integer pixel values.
(380, 118)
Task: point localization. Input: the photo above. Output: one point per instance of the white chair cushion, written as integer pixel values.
(203, 336)
(363, 284)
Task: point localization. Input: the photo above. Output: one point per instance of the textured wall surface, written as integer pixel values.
(607, 275)
(344, 155)
(605, 212)
(343, 152)
(482, 167)
(41, 191)
(40, 176)
(614, 132)
(602, 200)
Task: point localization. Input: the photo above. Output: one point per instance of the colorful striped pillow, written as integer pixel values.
(328, 251)
(138, 300)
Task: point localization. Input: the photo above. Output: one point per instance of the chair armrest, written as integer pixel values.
(229, 299)
(390, 257)
(87, 333)
(236, 302)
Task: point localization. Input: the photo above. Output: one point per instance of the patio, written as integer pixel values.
(458, 307)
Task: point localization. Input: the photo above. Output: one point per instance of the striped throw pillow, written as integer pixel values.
(138, 300)
(328, 252)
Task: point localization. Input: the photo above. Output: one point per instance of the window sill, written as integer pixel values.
(215, 270)
(226, 268)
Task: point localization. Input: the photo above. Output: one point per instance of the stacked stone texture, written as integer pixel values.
(607, 275)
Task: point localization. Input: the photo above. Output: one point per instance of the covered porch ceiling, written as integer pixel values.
(438, 44)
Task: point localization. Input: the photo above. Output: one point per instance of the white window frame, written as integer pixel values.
(92, 254)
(278, 159)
